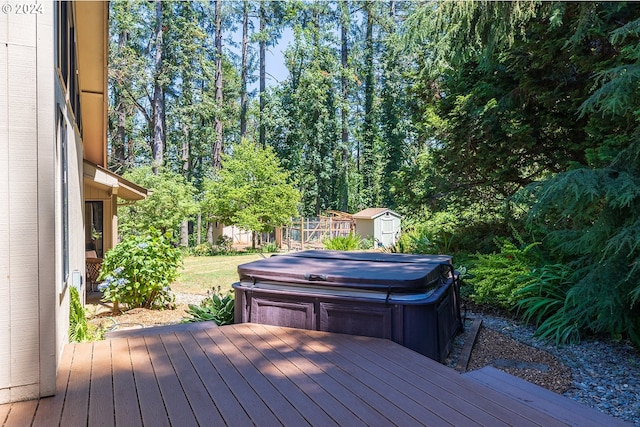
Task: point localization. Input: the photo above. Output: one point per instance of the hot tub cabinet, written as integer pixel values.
(410, 299)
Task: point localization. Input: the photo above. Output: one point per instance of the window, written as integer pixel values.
(64, 192)
(66, 60)
(94, 220)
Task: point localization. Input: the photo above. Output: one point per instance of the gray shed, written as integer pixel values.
(381, 224)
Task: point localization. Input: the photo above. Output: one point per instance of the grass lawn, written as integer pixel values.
(200, 274)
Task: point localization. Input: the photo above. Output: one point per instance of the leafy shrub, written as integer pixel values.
(367, 243)
(590, 218)
(214, 307)
(203, 249)
(79, 329)
(414, 241)
(544, 302)
(139, 270)
(497, 277)
(270, 248)
(351, 242)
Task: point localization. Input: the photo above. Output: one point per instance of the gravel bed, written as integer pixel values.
(187, 299)
(605, 374)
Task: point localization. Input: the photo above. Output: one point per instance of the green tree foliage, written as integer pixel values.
(171, 201)
(590, 215)
(498, 277)
(251, 190)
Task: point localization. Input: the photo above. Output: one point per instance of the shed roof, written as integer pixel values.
(373, 213)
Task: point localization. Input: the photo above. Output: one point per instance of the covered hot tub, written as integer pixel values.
(410, 299)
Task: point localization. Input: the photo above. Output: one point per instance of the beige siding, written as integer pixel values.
(23, 215)
(34, 318)
(5, 314)
(46, 146)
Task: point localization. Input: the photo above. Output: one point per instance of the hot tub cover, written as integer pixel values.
(355, 270)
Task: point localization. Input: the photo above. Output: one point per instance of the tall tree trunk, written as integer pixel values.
(121, 112)
(263, 48)
(184, 228)
(199, 232)
(368, 125)
(344, 113)
(217, 146)
(157, 145)
(243, 72)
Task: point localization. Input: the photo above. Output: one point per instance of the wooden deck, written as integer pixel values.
(249, 374)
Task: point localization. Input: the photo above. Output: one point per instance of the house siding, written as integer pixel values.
(34, 318)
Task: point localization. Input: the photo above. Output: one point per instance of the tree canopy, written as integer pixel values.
(251, 190)
(501, 115)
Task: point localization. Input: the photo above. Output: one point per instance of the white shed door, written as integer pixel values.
(388, 232)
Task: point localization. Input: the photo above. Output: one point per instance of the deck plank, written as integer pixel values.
(320, 369)
(203, 407)
(125, 398)
(323, 354)
(563, 408)
(232, 412)
(101, 413)
(237, 382)
(284, 411)
(4, 412)
(152, 408)
(445, 405)
(250, 374)
(319, 405)
(50, 408)
(175, 401)
(76, 404)
(418, 411)
(22, 413)
(479, 403)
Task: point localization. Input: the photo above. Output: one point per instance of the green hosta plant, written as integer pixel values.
(214, 307)
(138, 271)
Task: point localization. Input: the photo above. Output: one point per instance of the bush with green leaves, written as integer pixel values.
(269, 248)
(497, 277)
(544, 301)
(350, 242)
(221, 247)
(414, 241)
(214, 307)
(139, 270)
(79, 329)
